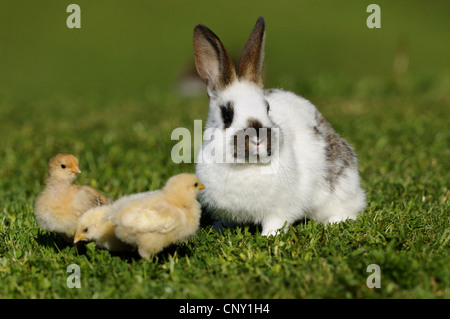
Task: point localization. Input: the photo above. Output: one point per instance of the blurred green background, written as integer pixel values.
(133, 47)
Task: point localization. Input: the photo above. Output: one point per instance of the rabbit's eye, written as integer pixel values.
(227, 112)
(267, 106)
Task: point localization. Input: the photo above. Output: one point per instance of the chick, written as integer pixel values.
(62, 201)
(94, 225)
(162, 218)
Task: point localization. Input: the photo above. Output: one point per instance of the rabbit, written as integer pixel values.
(299, 168)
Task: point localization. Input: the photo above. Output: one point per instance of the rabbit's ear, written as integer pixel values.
(212, 60)
(252, 58)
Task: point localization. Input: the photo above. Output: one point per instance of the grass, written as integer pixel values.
(115, 109)
(402, 143)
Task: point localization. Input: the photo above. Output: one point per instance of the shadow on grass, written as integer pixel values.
(58, 242)
(219, 226)
(53, 240)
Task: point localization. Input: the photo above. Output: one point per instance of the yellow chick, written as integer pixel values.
(162, 218)
(93, 226)
(62, 201)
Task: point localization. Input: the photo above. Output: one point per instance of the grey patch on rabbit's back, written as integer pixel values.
(317, 131)
(339, 154)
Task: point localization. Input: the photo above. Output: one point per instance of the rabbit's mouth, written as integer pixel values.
(253, 145)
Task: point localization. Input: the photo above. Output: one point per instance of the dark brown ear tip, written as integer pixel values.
(200, 28)
(260, 26)
(203, 28)
(261, 22)
(204, 31)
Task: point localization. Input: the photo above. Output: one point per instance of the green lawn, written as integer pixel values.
(397, 123)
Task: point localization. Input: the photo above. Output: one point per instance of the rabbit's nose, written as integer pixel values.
(257, 141)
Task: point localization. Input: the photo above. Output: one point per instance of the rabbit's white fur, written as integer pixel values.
(311, 171)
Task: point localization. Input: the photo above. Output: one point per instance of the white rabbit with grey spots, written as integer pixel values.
(300, 165)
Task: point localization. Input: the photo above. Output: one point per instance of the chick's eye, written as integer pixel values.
(63, 166)
(85, 230)
(196, 184)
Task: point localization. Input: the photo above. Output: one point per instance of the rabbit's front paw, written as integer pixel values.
(274, 226)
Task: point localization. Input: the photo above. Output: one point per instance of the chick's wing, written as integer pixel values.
(159, 218)
(93, 197)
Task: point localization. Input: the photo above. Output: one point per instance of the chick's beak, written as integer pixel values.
(78, 237)
(76, 170)
(201, 187)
